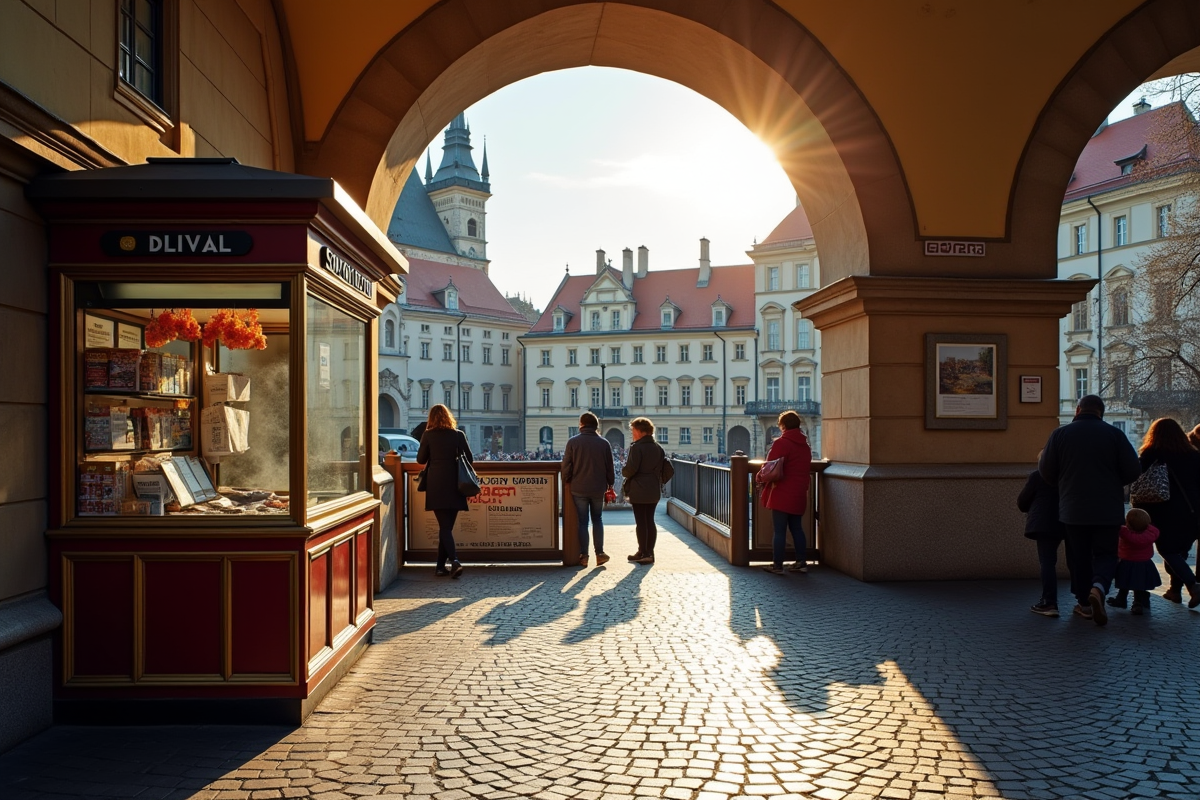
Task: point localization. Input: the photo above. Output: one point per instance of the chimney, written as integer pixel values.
(705, 266)
(627, 268)
(1140, 107)
(600, 263)
(643, 261)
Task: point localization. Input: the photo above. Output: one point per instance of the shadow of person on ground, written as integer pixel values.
(611, 608)
(550, 599)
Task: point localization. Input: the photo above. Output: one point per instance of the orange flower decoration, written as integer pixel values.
(235, 332)
(171, 325)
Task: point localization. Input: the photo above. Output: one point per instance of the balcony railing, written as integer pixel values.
(610, 412)
(807, 408)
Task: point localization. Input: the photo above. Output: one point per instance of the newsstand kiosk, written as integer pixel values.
(211, 514)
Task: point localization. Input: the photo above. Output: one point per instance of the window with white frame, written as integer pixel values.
(708, 435)
(639, 396)
(487, 354)
(424, 328)
(594, 355)
(668, 317)
(708, 395)
(773, 389)
(685, 352)
(595, 320)
(545, 358)
(660, 354)
(545, 397)
(574, 397)
(1081, 382)
(804, 334)
(685, 435)
(719, 317)
(707, 352)
(425, 350)
(662, 435)
(596, 396)
(803, 276)
(466, 331)
(614, 396)
(504, 357)
(559, 322)
(1079, 316)
(739, 394)
(504, 401)
(638, 354)
(772, 279)
(685, 395)
(389, 334)
(424, 398)
(572, 356)
(773, 335)
(448, 330)
(465, 397)
(664, 395)
(1120, 231)
(447, 352)
(466, 352)
(1080, 239)
(616, 320)
(451, 299)
(1163, 223)
(487, 334)
(739, 352)
(447, 397)
(504, 335)
(487, 400)
(614, 355)
(804, 388)
(1118, 303)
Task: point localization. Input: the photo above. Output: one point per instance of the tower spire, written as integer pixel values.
(484, 173)
(428, 167)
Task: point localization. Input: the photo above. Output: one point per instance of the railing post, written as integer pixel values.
(739, 509)
(393, 464)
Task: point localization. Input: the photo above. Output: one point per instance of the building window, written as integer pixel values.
(504, 402)
(685, 435)
(545, 397)
(708, 436)
(660, 354)
(545, 358)
(595, 320)
(472, 228)
(465, 353)
(487, 401)
(668, 317)
(487, 355)
(558, 322)
(425, 350)
(424, 328)
(1119, 306)
(596, 396)
(616, 320)
(447, 398)
(803, 334)
(140, 54)
(465, 397)
(1164, 221)
(1079, 316)
(572, 431)
(638, 354)
(614, 355)
(718, 317)
(504, 336)
(685, 395)
(1120, 231)
(772, 279)
(504, 356)
(448, 330)
(664, 397)
(685, 352)
(1120, 381)
(773, 335)
(739, 352)
(708, 395)
(574, 397)
(1081, 383)
(707, 351)
(424, 398)
(773, 390)
(639, 396)
(739, 395)
(614, 396)
(1119, 425)
(389, 334)
(487, 334)
(594, 355)
(1080, 239)
(546, 436)
(572, 356)
(803, 276)
(804, 388)
(447, 352)
(466, 331)
(663, 435)
(451, 299)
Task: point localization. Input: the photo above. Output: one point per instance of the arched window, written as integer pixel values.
(546, 436)
(389, 334)
(472, 228)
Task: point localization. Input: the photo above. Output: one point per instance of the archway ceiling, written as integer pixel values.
(957, 85)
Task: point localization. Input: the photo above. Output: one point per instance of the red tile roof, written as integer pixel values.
(1097, 171)
(793, 227)
(734, 285)
(477, 295)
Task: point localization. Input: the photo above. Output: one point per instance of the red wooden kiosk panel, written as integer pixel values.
(183, 617)
(262, 616)
(339, 596)
(362, 573)
(101, 600)
(318, 604)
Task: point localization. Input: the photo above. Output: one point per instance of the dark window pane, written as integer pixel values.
(145, 47)
(145, 12)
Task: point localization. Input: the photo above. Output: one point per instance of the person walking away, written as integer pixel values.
(1135, 569)
(1176, 518)
(1039, 501)
(788, 497)
(441, 445)
(645, 472)
(1090, 462)
(588, 467)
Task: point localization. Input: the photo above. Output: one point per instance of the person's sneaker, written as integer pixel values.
(1044, 608)
(1117, 601)
(646, 560)
(773, 569)
(636, 556)
(441, 572)
(602, 558)
(1173, 594)
(1096, 601)
(1080, 611)
(583, 561)
(799, 566)
(455, 570)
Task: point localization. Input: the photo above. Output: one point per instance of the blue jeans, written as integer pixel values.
(782, 521)
(586, 505)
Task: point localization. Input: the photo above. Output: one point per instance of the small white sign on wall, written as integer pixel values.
(1031, 388)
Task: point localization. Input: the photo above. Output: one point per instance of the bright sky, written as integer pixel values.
(597, 158)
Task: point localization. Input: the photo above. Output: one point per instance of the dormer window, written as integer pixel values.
(668, 318)
(559, 322)
(452, 299)
(718, 317)
(595, 320)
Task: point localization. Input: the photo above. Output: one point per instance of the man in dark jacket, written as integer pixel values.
(1090, 462)
(588, 467)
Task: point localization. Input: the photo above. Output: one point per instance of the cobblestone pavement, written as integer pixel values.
(692, 679)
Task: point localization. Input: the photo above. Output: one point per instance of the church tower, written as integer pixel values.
(459, 193)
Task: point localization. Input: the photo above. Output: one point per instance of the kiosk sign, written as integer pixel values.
(176, 243)
(512, 512)
(349, 274)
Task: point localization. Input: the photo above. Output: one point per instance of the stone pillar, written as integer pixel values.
(903, 501)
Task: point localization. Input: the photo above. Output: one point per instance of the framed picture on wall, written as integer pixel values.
(965, 381)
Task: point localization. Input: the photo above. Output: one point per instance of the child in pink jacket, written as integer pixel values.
(1136, 571)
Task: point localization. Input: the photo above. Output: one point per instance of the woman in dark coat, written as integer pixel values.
(1039, 501)
(788, 497)
(1176, 519)
(644, 476)
(441, 445)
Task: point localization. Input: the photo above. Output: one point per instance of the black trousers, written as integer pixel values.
(445, 518)
(1092, 558)
(647, 531)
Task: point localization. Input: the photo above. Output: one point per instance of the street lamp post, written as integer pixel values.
(603, 389)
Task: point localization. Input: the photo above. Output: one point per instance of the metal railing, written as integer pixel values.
(683, 486)
(809, 408)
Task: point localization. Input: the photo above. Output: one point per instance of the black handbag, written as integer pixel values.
(468, 481)
(421, 479)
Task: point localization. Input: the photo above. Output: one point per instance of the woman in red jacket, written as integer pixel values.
(788, 497)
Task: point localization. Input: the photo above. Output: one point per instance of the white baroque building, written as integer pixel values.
(452, 337)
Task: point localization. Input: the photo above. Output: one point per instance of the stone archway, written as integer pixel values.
(615, 437)
(738, 439)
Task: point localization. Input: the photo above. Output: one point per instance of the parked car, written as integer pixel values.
(405, 446)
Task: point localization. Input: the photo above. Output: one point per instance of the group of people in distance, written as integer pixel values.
(1077, 496)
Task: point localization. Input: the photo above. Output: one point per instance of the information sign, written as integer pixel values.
(513, 512)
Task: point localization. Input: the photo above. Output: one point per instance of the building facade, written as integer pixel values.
(452, 336)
